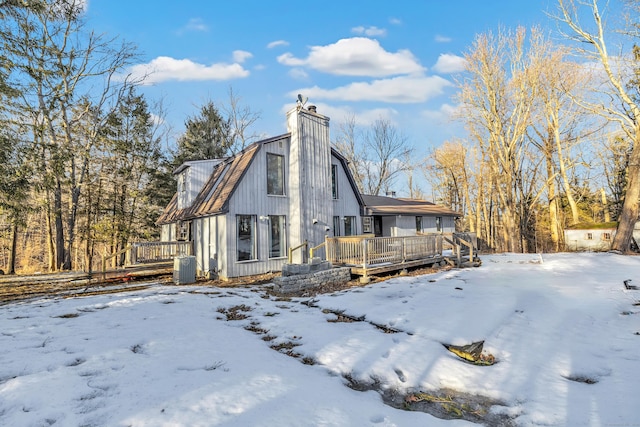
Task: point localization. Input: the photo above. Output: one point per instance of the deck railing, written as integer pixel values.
(146, 252)
(367, 251)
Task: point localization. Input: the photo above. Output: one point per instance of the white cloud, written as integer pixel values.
(395, 21)
(196, 24)
(403, 90)
(240, 56)
(370, 31)
(442, 39)
(298, 74)
(445, 113)
(164, 68)
(356, 56)
(448, 63)
(277, 43)
(339, 114)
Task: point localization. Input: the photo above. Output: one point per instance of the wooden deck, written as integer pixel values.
(368, 255)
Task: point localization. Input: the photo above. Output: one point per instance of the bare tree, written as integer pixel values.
(347, 141)
(625, 109)
(387, 149)
(241, 118)
(496, 97)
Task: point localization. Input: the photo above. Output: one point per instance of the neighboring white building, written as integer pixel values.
(593, 239)
(245, 211)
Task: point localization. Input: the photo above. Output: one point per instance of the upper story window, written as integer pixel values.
(419, 224)
(334, 181)
(275, 174)
(438, 223)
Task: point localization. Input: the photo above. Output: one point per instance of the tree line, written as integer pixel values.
(553, 132)
(552, 138)
(86, 164)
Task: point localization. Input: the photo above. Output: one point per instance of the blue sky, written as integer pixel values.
(376, 59)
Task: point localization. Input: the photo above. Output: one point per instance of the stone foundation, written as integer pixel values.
(299, 282)
(315, 265)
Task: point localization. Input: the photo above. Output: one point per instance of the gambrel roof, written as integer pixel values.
(214, 196)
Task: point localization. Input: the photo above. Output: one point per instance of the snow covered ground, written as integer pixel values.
(563, 328)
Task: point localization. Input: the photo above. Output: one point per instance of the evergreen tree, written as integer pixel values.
(206, 136)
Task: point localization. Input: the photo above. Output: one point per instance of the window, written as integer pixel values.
(589, 236)
(606, 236)
(366, 224)
(277, 236)
(438, 223)
(246, 244)
(419, 224)
(336, 225)
(183, 232)
(334, 181)
(275, 174)
(349, 225)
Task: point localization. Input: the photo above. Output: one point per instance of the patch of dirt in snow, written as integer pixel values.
(445, 404)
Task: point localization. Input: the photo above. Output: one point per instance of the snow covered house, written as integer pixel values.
(244, 212)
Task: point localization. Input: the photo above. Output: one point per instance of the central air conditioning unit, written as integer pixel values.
(184, 270)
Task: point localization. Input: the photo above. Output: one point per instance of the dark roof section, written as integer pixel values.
(381, 205)
(171, 212)
(214, 196)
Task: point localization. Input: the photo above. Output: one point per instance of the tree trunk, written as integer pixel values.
(605, 206)
(629, 214)
(11, 268)
(57, 214)
(554, 226)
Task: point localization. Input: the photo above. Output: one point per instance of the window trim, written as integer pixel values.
(335, 191)
(283, 236)
(183, 231)
(254, 238)
(336, 226)
(282, 187)
(353, 227)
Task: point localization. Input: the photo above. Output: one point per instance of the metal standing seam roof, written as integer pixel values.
(214, 196)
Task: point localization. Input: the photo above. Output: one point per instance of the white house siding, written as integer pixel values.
(168, 232)
(579, 240)
(309, 178)
(194, 176)
(346, 204)
(251, 198)
(405, 226)
(447, 224)
(389, 226)
(207, 233)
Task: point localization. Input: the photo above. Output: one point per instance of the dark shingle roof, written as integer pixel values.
(381, 205)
